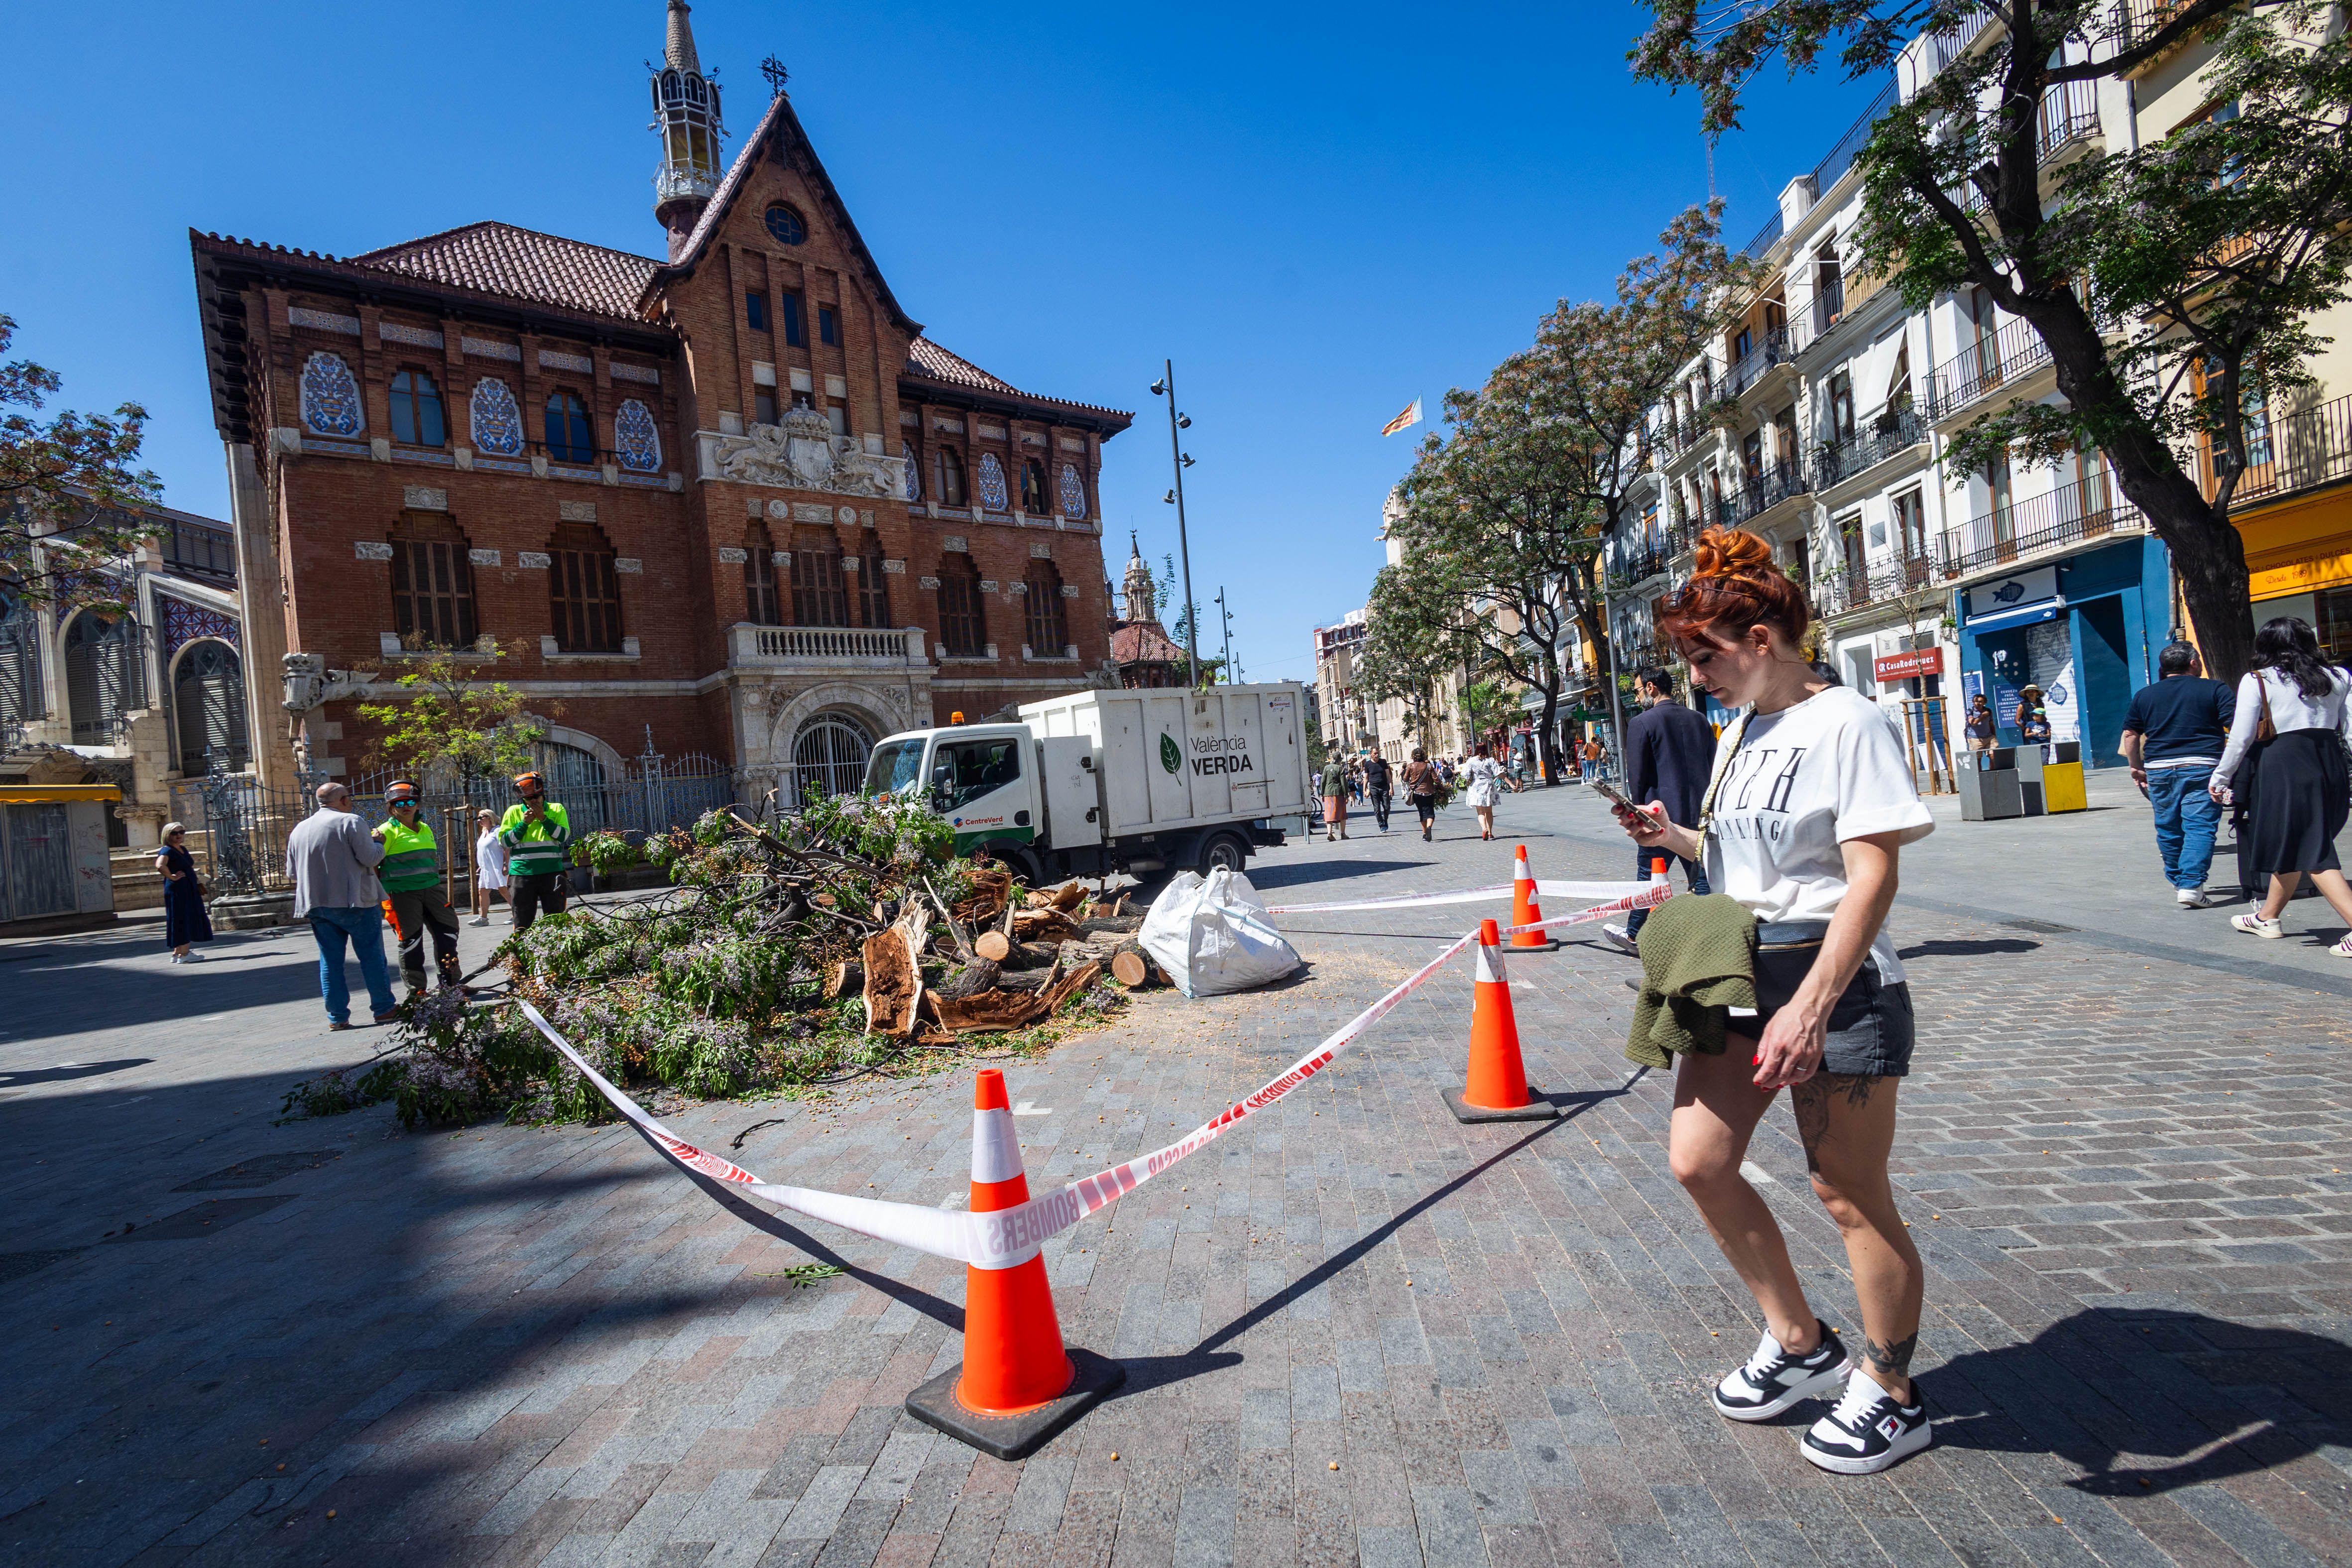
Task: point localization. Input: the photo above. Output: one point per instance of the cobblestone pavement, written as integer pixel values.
(1354, 1330)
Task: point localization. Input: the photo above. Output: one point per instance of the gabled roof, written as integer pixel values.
(779, 120)
(926, 358)
(522, 264)
(1142, 642)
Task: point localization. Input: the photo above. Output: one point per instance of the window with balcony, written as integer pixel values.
(432, 583)
(762, 604)
(1032, 490)
(1752, 456)
(1911, 525)
(963, 621)
(1842, 406)
(1899, 383)
(951, 485)
(872, 585)
(583, 591)
(819, 598)
(1045, 623)
(416, 419)
(1829, 288)
(569, 437)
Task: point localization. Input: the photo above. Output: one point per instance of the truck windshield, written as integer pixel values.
(896, 765)
(967, 770)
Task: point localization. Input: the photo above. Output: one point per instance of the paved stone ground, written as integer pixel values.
(1354, 1330)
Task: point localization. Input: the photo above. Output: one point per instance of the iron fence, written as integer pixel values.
(2298, 452)
(1878, 437)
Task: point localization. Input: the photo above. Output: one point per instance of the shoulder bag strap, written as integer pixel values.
(2265, 728)
(1722, 771)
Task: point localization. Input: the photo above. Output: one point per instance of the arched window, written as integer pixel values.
(1047, 626)
(432, 583)
(208, 707)
(872, 585)
(761, 607)
(20, 669)
(416, 410)
(568, 438)
(818, 597)
(584, 594)
(951, 477)
(829, 757)
(1033, 487)
(963, 621)
(106, 675)
(330, 396)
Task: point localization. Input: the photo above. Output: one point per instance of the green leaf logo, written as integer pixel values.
(1170, 757)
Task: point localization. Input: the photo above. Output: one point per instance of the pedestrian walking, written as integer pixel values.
(1669, 750)
(1378, 781)
(2173, 737)
(1423, 786)
(1335, 798)
(1810, 801)
(1355, 782)
(1980, 725)
(490, 866)
(411, 875)
(1486, 776)
(2286, 757)
(185, 922)
(331, 858)
(538, 837)
(1595, 753)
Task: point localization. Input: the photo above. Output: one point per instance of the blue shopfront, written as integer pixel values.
(2086, 630)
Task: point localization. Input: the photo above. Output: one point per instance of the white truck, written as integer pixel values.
(1144, 782)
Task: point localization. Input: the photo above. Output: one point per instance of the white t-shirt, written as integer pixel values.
(1805, 780)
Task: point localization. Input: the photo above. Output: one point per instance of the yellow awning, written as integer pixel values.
(37, 794)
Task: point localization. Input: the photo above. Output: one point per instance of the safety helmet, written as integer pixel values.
(529, 780)
(400, 794)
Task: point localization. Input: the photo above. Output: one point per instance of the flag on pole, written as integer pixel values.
(1411, 416)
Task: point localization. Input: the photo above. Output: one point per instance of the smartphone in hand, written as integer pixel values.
(1619, 802)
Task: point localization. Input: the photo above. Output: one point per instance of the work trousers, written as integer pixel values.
(535, 896)
(414, 913)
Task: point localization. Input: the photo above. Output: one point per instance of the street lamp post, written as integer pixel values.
(1227, 616)
(1166, 387)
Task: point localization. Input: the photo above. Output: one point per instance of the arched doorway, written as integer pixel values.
(208, 707)
(829, 756)
(105, 677)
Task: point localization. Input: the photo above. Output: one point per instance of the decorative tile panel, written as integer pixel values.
(849, 563)
(809, 511)
(330, 396)
(1071, 442)
(639, 438)
(533, 560)
(484, 557)
(1074, 491)
(324, 321)
(951, 426)
(415, 336)
(988, 584)
(556, 359)
(423, 498)
(371, 550)
(992, 432)
(493, 418)
(909, 416)
(914, 472)
(489, 348)
(642, 374)
(576, 511)
(1022, 588)
(1041, 551)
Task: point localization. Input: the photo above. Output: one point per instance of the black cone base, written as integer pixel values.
(1537, 1107)
(1511, 947)
(1015, 1436)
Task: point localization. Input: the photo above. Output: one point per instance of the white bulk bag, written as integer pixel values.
(1213, 936)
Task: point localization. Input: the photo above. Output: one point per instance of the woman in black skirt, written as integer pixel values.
(2292, 778)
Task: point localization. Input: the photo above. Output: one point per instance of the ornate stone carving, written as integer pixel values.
(803, 453)
(310, 683)
(371, 550)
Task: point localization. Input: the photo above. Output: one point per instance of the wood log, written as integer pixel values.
(1043, 925)
(1069, 985)
(1070, 896)
(1111, 925)
(1031, 979)
(845, 977)
(1030, 954)
(894, 983)
(991, 1012)
(993, 945)
(1130, 968)
(980, 974)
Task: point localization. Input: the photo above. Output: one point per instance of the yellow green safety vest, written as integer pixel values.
(536, 848)
(410, 860)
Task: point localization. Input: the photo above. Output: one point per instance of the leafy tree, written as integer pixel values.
(450, 722)
(68, 492)
(2172, 285)
(1490, 704)
(1409, 650)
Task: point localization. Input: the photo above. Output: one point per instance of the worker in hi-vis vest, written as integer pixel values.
(538, 837)
(411, 875)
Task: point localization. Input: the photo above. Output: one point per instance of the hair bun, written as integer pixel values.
(1730, 553)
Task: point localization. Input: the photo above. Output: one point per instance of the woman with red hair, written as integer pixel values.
(1809, 800)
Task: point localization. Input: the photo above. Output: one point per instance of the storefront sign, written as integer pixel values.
(2005, 593)
(1908, 666)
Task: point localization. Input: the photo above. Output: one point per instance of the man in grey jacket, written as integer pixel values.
(332, 858)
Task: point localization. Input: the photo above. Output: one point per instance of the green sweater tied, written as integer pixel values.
(1698, 960)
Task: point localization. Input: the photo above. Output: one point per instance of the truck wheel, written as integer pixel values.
(1225, 849)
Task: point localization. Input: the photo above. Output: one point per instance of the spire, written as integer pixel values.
(1143, 597)
(686, 115)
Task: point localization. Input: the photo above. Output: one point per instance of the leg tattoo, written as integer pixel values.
(1894, 1360)
(1811, 1100)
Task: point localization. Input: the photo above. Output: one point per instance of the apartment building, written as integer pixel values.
(1344, 715)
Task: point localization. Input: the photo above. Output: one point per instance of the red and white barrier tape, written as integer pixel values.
(1466, 896)
(999, 1240)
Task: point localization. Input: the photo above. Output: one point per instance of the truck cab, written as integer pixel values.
(980, 778)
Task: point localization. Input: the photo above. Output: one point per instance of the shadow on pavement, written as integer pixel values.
(63, 1071)
(2118, 1390)
(1263, 877)
(1977, 948)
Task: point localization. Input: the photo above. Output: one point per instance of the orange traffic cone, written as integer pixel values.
(1497, 1089)
(1525, 911)
(1017, 1385)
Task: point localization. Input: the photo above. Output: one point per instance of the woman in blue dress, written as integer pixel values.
(185, 920)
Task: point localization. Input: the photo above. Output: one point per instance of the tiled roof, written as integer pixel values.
(1142, 642)
(522, 264)
(926, 358)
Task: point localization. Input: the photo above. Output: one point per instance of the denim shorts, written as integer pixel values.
(1871, 1030)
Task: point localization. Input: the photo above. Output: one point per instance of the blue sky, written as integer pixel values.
(1319, 213)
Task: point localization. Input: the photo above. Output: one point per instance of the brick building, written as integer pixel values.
(733, 496)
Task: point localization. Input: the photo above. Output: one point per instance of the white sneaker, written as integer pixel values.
(1869, 1430)
(2254, 925)
(177, 956)
(1772, 1380)
(1620, 937)
(481, 920)
(2189, 897)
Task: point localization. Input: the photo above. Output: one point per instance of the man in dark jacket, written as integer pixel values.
(1378, 783)
(1669, 752)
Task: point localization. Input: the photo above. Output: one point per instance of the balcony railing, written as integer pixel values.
(2070, 114)
(1829, 304)
(1766, 239)
(826, 645)
(1835, 593)
(1983, 369)
(1771, 351)
(1637, 566)
(2078, 512)
(1761, 494)
(2298, 452)
(201, 551)
(1873, 441)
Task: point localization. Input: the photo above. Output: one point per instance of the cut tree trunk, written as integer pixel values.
(1133, 968)
(1111, 925)
(894, 983)
(847, 976)
(993, 945)
(980, 974)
